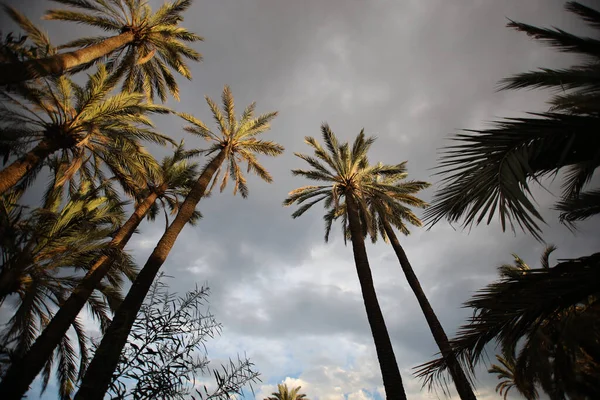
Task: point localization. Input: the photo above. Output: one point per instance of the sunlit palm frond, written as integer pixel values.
(238, 140)
(86, 124)
(285, 393)
(158, 44)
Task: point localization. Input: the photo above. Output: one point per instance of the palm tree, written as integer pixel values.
(490, 170)
(236, 142)
(144, 48)
(346, 171)
(557, 335)
(84, 123)
(177, 176)
(284, 393)
(45, 244)
(388, 201)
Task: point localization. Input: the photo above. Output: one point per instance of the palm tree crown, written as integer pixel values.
(85, 123)
(505, 371)
(348, 173)
(285, 393)
(237, 139)
(157, 43)
(391, 207)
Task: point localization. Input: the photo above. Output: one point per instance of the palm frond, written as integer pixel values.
(585, 205)
(516, 306)
(490, 170)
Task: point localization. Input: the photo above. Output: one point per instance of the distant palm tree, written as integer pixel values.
(506, 373)
(145, 46)
(489, 171)
(39, 252)
(236, 142)
(284, 393)
(176, 177)
(85, 124)
(349, 178)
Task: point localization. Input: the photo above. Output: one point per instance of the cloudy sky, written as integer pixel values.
(412, 73)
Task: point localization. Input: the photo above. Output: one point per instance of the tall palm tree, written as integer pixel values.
(344, 170)
(143, 48)
(235, 143)
(177, 176)
(557, 335)
(47, 244)
(85, 124)
(285, 393)
(388, 201)
(491, 170)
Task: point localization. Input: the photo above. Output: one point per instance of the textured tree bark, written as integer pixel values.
(390, 372)
(461, 381)
(59, 64)
(97, 377)
(22, 372)
(12, 174)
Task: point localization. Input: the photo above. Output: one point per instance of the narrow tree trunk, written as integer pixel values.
(98, 375)
(392, 381)
(59, 64)
(22, 372)
(463, 386)
(12, 174)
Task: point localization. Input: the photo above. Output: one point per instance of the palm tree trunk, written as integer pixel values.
(12, 174)
(392, 381)
(98, 375)
(22, 372)
(59, 64)
(463, 386)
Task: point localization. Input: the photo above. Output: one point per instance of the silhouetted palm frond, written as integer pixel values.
(489, 172)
